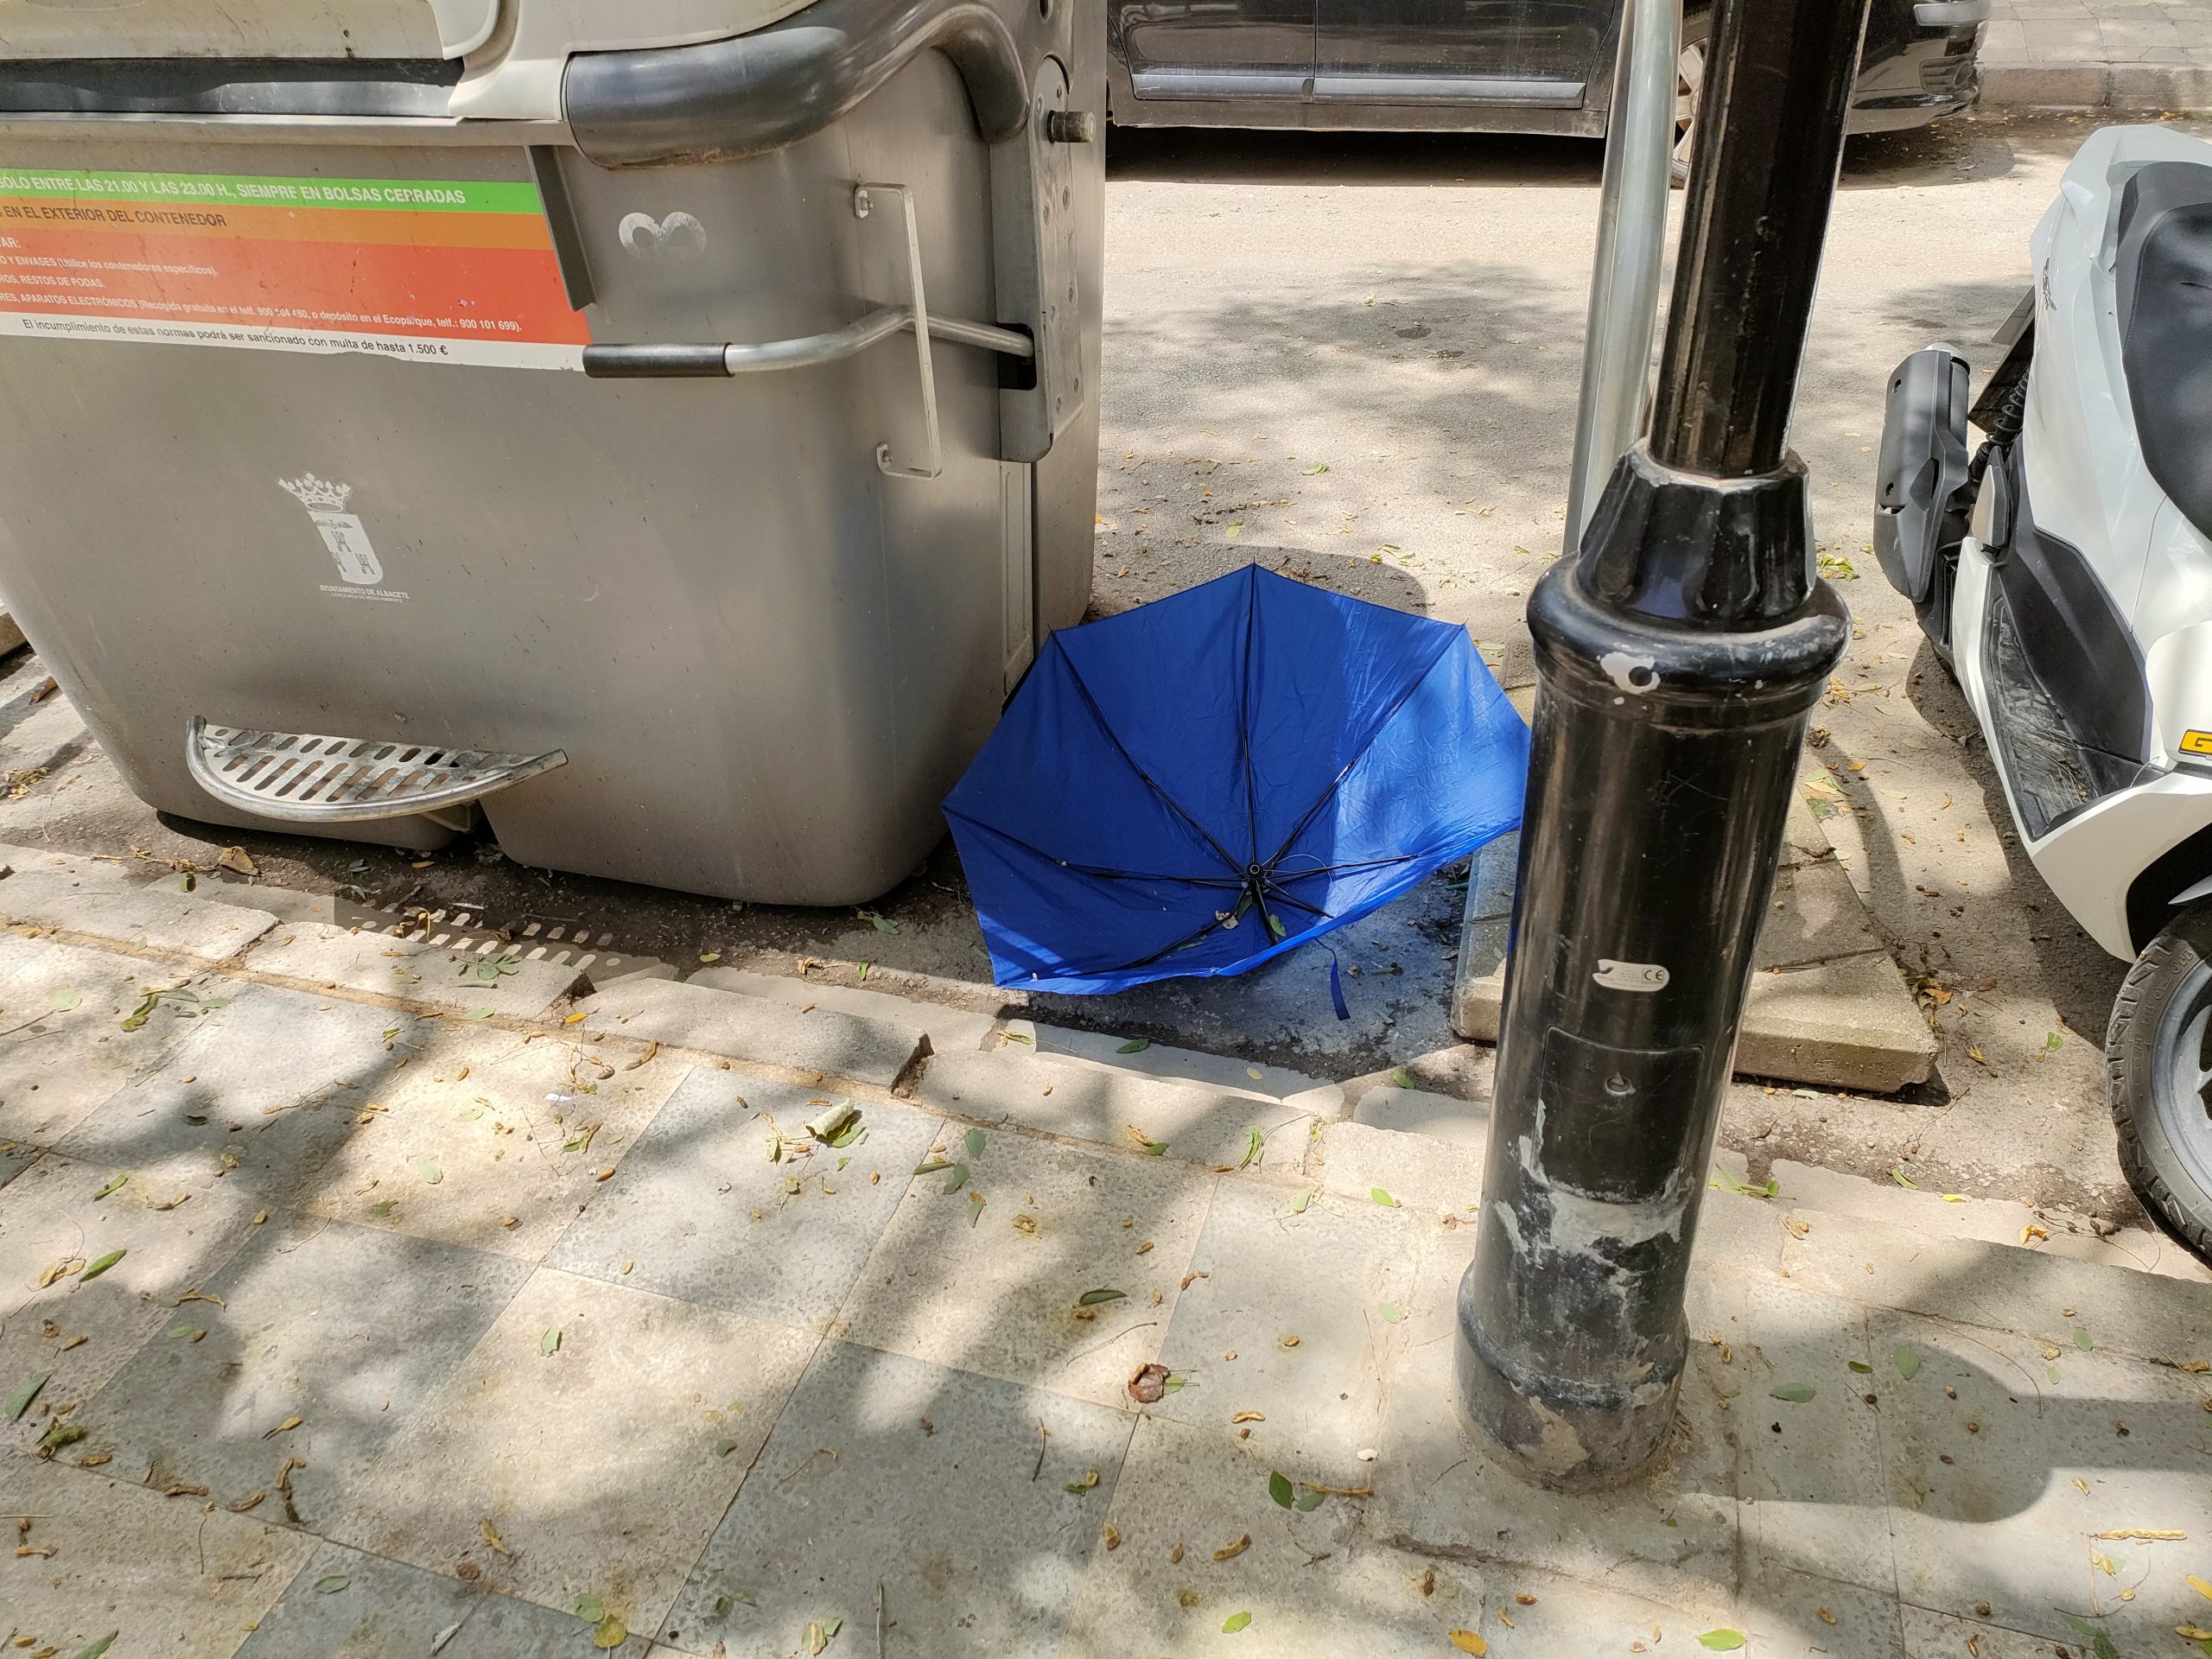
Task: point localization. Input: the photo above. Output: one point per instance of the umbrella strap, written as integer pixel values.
(1336, 984)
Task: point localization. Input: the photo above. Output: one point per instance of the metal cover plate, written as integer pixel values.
(314, 778)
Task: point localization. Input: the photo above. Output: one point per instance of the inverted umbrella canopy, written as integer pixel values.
(1208, 781)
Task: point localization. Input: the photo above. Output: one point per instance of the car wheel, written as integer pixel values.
(2158, 1072)
(1690, 77)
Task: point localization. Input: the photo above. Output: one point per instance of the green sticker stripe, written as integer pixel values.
(243, 190)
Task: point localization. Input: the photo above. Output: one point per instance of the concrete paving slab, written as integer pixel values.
(2003, 1288)
(1298, 1315)
(77, 1333)
(2003, 1465)
(1815, 915)
(1938, 1636)
(159, 1576)
(1310, 1585)
(140, 918)
(826, 1042)
(890, 1470)
(1994, 1221)
(14, 1158)
(1353, 1160)
(949, 1029)
(1810, 1479)
(1784, 1613)
(387, 1609)
(1463, 1124)
(1197, 1124)
(1227, 1073)
(347, 1331)
(337, 957)
(1671, 1537)
(502, 1122)
(68, 1054)
(697, 1210)
(996, 1288)
(603, 1464)
(258, 1097)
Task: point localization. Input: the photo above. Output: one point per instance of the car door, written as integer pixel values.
(1218, 48)
(1539, 53)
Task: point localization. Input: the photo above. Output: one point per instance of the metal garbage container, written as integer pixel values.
(665, 427)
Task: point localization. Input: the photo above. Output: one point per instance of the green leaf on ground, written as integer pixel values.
(1907, 1360)
(478, 1013)
(1722, 1641)
(383, 1207)
(723, 1448)
(2082, 1339)
(1860, 1366)
(2053, 1042)
(1255, 1144)
(590, 1608)
(1316, 468)
(974, 1142)
(1392, 1313)
(883, 923)
(1093, 1298)
(116, 1184)
(1381, 1198)
(1904, 1180)
(1727, 1183)
(64, 1000)
(2100, 1643)
(610, 1632)
(101, 1266)
(930, 1165)
(430, 1173)
(1309, 1500)
(1298, 1205)
(1402, 1077)
(330, 1585)
(550, 1342)
(94, 1649)
(1134, 1046)
(1235, 1623)
(1279, 1488)
(1079, 1487)
(20, 1400)
(1155, 1148)
(59, 1434)
(957, 1179)
(1796, 1393)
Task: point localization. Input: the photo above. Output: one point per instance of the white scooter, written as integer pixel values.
(2064, 572)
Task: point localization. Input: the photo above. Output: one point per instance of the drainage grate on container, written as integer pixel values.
(307, 777)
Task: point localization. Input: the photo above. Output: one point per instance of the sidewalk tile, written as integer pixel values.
(74, 1055)
(1353, 1160)
(1088, 1102)
(1311, 1585)
(1785, 1613)
(2002, 1287)
(276, 1079)
(603, 1466)
(892, 1470)
(48, 1215)
(987, 1293)
(162, 1575)
(1939, 1635)
(1328, 1278)
(826, 1042)
(696, 1210)
(2036, 1468)
(154, 919)
(1672, 1536)
(1231, 1074)
(1811, 1475)
(501, 1139)
(384, 1610)
(352, 1331)
(340, 958)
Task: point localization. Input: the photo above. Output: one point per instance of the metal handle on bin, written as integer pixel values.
(685, 361)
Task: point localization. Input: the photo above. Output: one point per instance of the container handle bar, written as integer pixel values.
(805, 352)
(681, 361)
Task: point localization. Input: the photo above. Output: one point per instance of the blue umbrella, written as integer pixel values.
(1203, 783)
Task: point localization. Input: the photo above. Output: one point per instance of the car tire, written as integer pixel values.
(1689, 75)
(2159, 1073)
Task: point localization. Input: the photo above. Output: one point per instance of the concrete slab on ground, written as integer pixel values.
(2145, 55)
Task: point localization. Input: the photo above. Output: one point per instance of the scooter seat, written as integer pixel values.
(2165, 290)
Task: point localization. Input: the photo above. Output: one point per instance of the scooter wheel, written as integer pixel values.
(2158, 1072)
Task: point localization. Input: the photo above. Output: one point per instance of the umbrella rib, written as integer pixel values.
(1119, 748)
(1337, 782)
(1233, 883)
(1244, 709)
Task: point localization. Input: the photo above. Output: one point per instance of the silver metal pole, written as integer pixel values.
(1631, 246)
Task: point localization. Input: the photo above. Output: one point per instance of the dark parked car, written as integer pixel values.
(1484, 66)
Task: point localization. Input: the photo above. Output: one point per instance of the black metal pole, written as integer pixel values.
(1679, 655)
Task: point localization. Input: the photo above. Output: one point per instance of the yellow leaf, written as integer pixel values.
(2150, 1534)
(610, 1632)
(2192, 1633)
(575, 1018)
(1468, 1642)
(491, 1537)
(2199, 1587)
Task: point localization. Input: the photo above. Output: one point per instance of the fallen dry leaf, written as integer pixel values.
(2150, 1534)
(1468, 1642)
(1232, 1550)
(1148, 1384)
(1249, 1417)
(284, 1428)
